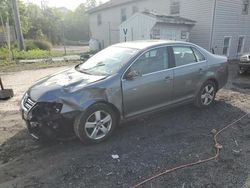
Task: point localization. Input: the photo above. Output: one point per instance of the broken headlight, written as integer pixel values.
(44, 108)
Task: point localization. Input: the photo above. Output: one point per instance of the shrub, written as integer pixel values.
(4, 53)
(43, 45)
(30, 45)
(37, 44)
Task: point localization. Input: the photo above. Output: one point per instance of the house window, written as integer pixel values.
(99, 19)
(184, 35)
(226, 46)
(245, 7)
(123, 14)
(135, 9)
(175, 7)
(240, 45)
(156, 34)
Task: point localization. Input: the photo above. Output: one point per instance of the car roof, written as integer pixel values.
(143, 44)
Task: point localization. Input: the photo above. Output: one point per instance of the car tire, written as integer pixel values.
(96, 124)
(206, 95)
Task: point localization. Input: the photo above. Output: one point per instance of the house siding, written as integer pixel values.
(200, 34)
(138, 27)
(202, 13)
(213, 23)
(105, 33)
(229, 21)
(173, 31)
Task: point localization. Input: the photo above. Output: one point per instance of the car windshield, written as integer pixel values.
(108, 61)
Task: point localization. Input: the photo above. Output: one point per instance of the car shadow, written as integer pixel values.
(145, 146)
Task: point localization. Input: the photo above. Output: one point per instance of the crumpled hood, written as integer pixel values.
(61, 84)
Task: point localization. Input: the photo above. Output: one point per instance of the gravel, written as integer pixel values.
(145, 146)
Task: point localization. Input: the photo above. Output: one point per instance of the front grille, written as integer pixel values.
(28, 103)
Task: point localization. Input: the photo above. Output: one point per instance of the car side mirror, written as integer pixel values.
(132, 75)
(84, 57)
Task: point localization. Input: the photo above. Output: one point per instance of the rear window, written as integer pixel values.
(199, 56)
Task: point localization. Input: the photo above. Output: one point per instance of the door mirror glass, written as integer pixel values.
(132, 75)
(84, 57)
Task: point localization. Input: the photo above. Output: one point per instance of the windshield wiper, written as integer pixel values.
(98, 65)
(101, 64)
(86, 71)
(81, 71)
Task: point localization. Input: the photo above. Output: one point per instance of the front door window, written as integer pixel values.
(152, 61)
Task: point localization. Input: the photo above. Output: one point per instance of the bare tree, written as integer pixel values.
(91, 4)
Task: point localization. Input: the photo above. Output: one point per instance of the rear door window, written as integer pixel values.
(184, 56)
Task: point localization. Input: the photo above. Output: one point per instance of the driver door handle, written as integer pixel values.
(201, 71)
(168, 78)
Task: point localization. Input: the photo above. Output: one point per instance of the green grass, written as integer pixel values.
(7, 65)
(14, 67)
(34, 54)
(31, 54)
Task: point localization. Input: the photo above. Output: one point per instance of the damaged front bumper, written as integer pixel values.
(45, 121)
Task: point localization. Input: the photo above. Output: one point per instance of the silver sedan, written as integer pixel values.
(122, 82)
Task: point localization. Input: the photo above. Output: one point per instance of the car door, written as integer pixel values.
(151, 84)
(189, 72)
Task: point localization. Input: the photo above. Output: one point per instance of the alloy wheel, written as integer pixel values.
(208, 94)
(98, 125)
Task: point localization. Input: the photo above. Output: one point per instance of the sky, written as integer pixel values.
(70, 4)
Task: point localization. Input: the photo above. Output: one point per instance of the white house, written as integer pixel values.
(221, 25)
(148, 25)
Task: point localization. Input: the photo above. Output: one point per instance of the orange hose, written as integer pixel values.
(217, 147)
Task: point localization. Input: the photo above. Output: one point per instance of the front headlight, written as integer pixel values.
(47, 109)
(24, 98)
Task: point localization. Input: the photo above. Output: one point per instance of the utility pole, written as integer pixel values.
(2, 23)
(8, 38)
(19, 33)
(109, 33)
(212, 32)
(63, 32)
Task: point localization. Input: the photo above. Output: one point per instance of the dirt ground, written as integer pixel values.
(145, 146)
